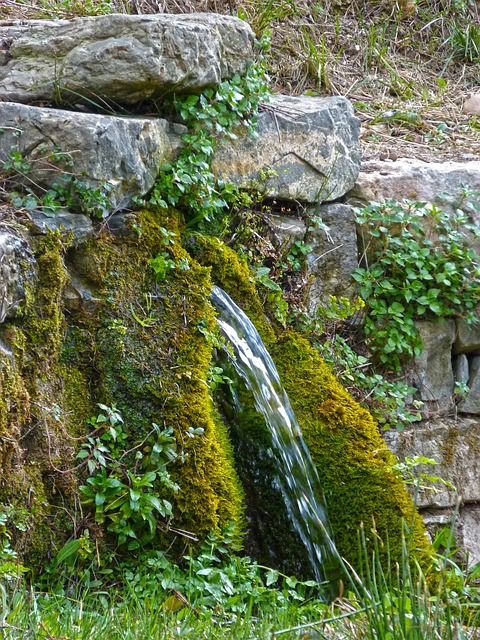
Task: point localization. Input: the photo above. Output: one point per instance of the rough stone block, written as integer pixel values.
(471, 404)
(122, 153)
(334, 254)
(435, 182)
(119, 58)
(432, 372)
(467, 339)
(16, 268)
(307, 150)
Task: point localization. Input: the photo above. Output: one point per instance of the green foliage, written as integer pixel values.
(126, 487)
(419, 265)
(188, 183)
(387, 400)
(71, 192)
(421, 481)
(162, 262)
(68, 8)
(214, 577)
(464, 39)
(331, 335)
(402, 601)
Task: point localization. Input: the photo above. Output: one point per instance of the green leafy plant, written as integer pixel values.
(127, 488)
(464, 39)
(420, 480)
(71, 192)
(162, 263)
(188, 183)
(419, 264)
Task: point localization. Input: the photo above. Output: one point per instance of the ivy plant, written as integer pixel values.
(127, 488)
(188, 182)
(418, 264)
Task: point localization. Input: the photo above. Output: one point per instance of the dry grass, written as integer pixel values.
(385, 56)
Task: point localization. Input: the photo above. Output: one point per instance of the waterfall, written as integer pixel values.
(299, 480)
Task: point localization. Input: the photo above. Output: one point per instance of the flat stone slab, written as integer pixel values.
(118, 156)
(119, 58)
(437, 182)
(307, 150)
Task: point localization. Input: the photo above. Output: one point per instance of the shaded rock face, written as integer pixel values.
(454, 445)
(118, 156)
(432, 372)
(16, 268)
(334, 255)
(307, 150)
(119, 58)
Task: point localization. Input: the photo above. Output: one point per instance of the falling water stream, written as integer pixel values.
(299, 480)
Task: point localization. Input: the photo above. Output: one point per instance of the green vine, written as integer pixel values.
(419, 264)
(188, 183)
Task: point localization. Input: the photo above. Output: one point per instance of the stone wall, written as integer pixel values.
(307, 151)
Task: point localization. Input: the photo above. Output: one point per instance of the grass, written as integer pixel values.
(396, 602)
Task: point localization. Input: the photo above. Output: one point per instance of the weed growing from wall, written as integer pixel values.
(22, 191)
(418, 264)
(188, 183)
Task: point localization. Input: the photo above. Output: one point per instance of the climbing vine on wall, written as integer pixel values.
(418, 264)
(188, 183)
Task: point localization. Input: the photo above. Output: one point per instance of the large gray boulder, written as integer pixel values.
(120, 58)
(307, 150)
(117, 156)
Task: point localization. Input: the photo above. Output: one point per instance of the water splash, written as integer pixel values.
(299, 479)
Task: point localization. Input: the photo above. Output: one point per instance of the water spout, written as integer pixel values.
(299, 480)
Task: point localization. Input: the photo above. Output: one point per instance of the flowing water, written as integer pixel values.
(299, 478)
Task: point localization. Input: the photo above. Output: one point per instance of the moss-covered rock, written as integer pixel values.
(37, 492)
(143, 347)
(153, 359)
(354, 464)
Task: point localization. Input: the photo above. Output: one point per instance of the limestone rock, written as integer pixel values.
(16, 268)
(472, 104)
(307, 150)
(119, 58)
(461, 369)
(468, 337)
(454, 445)
(119, 156)
(64, 222)
(471, 404)
(432, 372)
(435, 182)
(287, 230)
(334, 254)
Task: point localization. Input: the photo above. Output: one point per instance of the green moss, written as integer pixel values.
(233, 275)
(40, 403)
(352, 459)
(153, 362)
